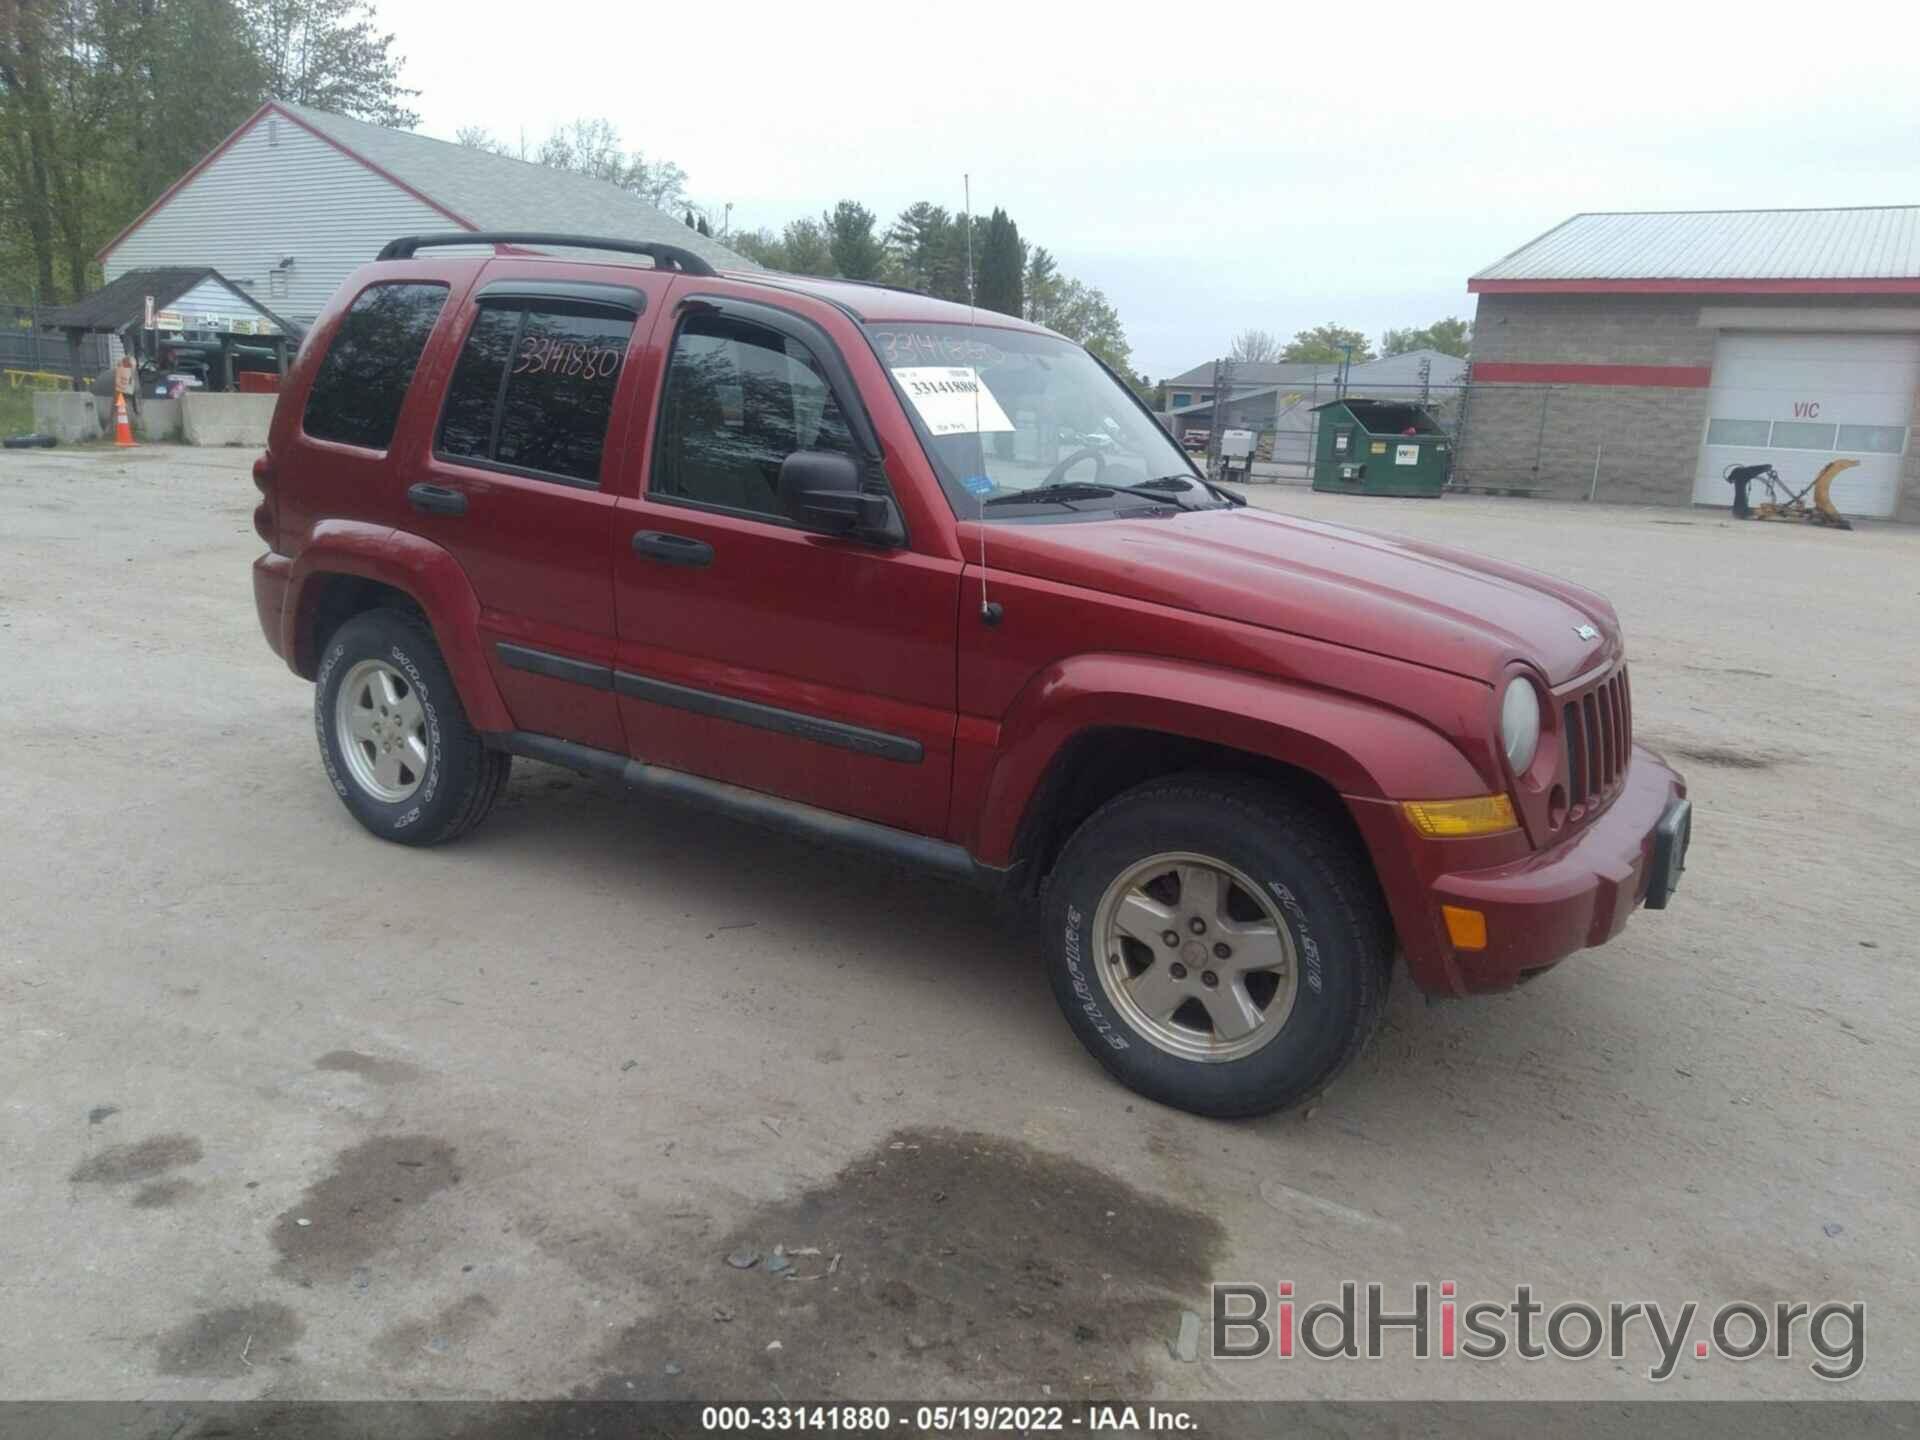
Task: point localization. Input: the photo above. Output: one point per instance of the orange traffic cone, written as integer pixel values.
(122, 432)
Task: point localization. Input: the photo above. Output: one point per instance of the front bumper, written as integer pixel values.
(1580, 892)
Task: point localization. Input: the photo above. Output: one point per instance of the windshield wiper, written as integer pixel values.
(1065, 490)
(1070, 490)
(1184, 482)
(1086, 490)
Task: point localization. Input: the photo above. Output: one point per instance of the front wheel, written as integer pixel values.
(396, 742)
(1219, 946)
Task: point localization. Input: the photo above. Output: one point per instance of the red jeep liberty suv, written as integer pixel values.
(869, 568)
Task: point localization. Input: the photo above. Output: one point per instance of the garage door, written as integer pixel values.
(1797, 401)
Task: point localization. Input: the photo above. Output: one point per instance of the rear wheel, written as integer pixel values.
(395, 740)
(1218, 945)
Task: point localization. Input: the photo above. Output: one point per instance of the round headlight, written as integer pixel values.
(1520, 723)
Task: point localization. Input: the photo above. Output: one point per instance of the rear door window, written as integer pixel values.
(533, 389)
(362, 382)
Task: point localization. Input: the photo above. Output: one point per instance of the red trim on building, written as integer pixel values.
(1667, 377)
(1694, 287)
(274, 108)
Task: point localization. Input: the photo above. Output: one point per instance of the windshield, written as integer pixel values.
(1042, 413)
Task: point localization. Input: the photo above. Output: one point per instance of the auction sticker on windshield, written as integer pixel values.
(951, 399)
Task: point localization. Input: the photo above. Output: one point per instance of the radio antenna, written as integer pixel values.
(989, 612)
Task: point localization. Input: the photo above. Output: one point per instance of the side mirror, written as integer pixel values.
(822, 492)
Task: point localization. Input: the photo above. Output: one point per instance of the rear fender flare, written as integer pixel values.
(416, 567)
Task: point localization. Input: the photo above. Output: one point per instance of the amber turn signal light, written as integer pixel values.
(1450, 819)
(1466, 928)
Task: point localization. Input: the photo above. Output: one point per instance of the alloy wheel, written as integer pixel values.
(382, 727)
(1196, 957)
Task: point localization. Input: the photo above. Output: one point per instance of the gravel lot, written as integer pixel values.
(290, 1112)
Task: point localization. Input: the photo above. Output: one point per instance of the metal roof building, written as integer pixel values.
(1641, 356)
(1876, 247)
(295, 199)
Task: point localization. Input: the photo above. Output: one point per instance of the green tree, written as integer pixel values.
(910, 241)
(806, 248)
(761, 246)
(1452, 336)
(332, 55)
(1084, 313)
(1001, 265)
(103, 103)
(174, 78)
(1042, 286)
(928, 249)
(855, 251)
(32, 153)
(1328, 344)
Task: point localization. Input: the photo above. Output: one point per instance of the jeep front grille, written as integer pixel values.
(1596, 729)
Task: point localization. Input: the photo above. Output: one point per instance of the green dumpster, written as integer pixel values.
(1379, 447)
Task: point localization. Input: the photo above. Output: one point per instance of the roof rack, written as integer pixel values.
(664, 257)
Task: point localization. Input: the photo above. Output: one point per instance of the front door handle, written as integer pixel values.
(437, 499)
(672, 549)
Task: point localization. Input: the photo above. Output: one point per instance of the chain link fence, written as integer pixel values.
(1286, 443)
(27, 350)
(1633, 445)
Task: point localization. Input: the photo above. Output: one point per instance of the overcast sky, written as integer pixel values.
(1217, 166)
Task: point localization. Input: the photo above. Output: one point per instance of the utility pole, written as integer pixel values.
(1222, 393)
(726, 223)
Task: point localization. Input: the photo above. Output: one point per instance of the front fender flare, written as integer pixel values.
(418, 568)
(1358, 747)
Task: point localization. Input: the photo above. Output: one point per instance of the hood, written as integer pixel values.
(1427, 604)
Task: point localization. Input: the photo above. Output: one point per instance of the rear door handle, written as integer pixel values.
(437, 499)
(672, 549)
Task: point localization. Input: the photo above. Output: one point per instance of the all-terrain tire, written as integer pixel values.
(1315, 882)
(460, 777)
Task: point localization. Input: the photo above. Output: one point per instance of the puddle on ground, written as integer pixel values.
(352, 1214)
(140, 1160)
(163, 1193)
(968, 1264)
(371, 1067)
(414, 1342)
(237, 1340)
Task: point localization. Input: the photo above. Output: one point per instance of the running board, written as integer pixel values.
(789, 817)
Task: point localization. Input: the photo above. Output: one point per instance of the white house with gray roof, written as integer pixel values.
(295, 199)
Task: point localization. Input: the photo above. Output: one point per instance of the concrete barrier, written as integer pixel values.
(67, 415)
(157, 420)
(226, 419)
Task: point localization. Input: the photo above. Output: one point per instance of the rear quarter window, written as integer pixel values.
(533, 389)
(363, 379)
